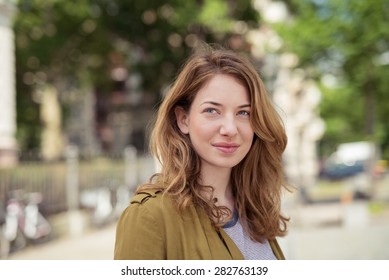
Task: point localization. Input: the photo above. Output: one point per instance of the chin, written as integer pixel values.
(227, 164)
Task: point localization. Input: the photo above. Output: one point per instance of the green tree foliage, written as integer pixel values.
(72, 44)
(58, 43)
(346, 42)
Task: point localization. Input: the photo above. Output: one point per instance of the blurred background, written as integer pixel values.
(80, 82)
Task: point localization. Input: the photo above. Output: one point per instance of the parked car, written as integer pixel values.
(349, 159)
(337, 171)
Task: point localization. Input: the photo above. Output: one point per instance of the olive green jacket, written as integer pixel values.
(150, 228)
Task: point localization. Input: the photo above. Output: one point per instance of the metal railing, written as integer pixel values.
(62, 183)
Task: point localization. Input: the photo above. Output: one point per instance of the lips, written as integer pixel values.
(227, 148)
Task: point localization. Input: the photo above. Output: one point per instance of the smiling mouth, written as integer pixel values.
(227, 149)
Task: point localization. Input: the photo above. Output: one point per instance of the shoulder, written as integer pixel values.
(143, 196)
(140, 232)
(161, 207)
(145, 213)
(152, 201)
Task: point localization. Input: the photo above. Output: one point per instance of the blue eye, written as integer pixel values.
(244, 113)
(210, 110)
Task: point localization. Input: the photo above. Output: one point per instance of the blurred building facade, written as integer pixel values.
(8, 144)
(296, 96)
(105, 123)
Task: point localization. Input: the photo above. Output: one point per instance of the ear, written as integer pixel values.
(182, 119)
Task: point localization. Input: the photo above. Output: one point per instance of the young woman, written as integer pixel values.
(219, 141)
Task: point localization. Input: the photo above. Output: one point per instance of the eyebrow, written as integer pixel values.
(220, 105)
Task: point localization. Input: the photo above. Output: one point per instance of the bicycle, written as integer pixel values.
(4, 243)
(23, 221)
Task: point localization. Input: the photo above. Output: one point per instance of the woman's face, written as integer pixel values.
(218, 122)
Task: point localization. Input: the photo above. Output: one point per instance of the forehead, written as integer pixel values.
(223, 87)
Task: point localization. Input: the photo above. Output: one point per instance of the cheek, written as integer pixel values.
(202, 129)
(248, 133)
(249, 139)
(201, 134)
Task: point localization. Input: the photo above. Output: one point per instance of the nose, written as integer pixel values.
(228, 127)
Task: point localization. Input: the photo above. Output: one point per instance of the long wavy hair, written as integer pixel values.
(257, 181)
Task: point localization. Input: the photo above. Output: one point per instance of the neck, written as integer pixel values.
(220, 180)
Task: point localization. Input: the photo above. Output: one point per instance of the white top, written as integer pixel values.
(251, 250)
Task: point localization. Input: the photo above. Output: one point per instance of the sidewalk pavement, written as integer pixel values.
(97, 244)
(337, 243)
(336, 231)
